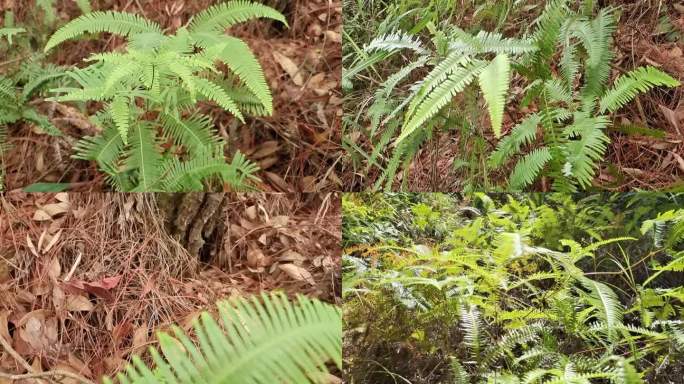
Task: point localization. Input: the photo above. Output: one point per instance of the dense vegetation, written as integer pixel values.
(513, 288)
(434, 67)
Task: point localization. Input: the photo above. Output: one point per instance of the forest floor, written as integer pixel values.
(649, 33)
(297, 148)
(87, 279)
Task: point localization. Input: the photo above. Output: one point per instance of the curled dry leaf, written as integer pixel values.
(298, 273)
(255, 258)
(78, 303)
(290, 67)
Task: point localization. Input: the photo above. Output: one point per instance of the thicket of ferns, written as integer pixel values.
(153, 139)
(573, 105)
(505, 291)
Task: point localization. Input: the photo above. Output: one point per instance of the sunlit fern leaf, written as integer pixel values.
(118, 23)
(471, 325)
(118, 74)
(529, 168)
(259, 340)
(440, 95)
(494, 82)
(104, 148)
(522, 134)
(215, 93)
(395, 41)
(488, 42)
(144, 157)
(241, 61)
(121, 114)
(453, 62)
(606, 303)
(225, 15)
(628, 86)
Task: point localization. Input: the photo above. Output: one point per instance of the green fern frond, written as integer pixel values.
(439, 96)
(222, 16)
(241, 61)
(569, 65)
(586, 145)
(215, 93)
(489, 42)
(522, 134)
(471, 325)
(9, 33)
(628, 86)
(105, 148)
(124, 71)
(241, 173)
(395, 41)
(119, 23)
(494, 82)
(606, 303)
(184, 176)
(194, 132)
(265, 340)
(120, 111)
(144, 157)
(460, 375)
(30, 114)
(558, 92)
(528, 168)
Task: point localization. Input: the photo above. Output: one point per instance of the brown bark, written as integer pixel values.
(200, 222)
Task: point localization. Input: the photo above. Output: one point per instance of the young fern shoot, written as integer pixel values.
(153, 139)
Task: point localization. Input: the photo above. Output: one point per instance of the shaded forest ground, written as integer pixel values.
(649, 33)
(87, 279)
(295, 148)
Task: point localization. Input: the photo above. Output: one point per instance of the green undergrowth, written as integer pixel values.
(513, 288)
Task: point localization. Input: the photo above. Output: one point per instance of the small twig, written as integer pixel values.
(8, 347)
(73, 267)
(47, 374)
(32, 374)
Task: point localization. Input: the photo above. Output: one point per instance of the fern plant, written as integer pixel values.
(16, 93)
(573, 111)
(259, 340)
(152, 137)
(457, 61)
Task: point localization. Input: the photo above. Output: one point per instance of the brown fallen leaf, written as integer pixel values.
(290, 67)
(78, 303)
(298, 273)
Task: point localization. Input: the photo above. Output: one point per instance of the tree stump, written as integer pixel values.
(200, 222)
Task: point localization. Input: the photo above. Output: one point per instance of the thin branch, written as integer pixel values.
(48, 374)
(32, 374)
